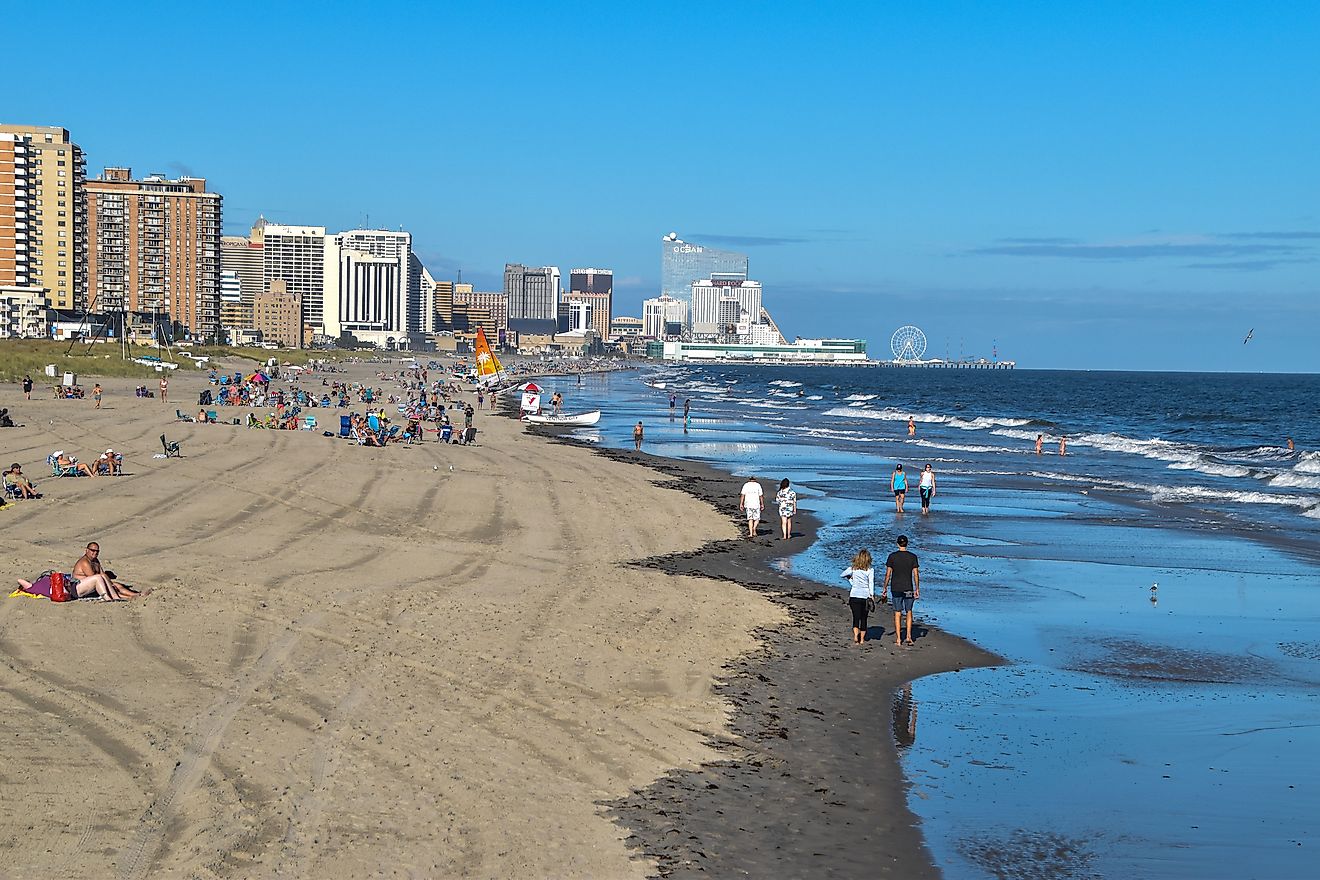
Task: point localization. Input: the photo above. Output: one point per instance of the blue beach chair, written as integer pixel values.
(345, 426)
(57, 471)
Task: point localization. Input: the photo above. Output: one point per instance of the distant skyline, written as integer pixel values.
(1106, 186)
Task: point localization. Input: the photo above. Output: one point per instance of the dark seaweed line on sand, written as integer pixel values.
(810, 784)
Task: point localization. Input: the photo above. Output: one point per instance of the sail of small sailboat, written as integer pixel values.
(490, 372)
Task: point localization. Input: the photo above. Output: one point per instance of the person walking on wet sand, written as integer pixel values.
(927, 488)
(687, 413)
(749, 501)
(898, 482)
(637, 437)
(861, 595)
(786, 498)
(903, 578)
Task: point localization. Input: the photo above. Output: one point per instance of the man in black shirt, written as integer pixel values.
(902, 572)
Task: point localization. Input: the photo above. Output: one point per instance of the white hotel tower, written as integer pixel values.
(721, 300)
(367, 286)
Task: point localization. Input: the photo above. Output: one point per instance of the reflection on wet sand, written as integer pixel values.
(905, 717)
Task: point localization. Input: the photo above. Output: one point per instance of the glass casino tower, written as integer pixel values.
(682, 263)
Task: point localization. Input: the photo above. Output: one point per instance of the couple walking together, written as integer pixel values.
(749, 501)
(902, 578)
(898, 483)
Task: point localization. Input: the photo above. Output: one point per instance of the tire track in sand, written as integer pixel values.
(308, 811)
(137, 858)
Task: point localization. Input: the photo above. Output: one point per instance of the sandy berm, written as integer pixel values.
(354, 662)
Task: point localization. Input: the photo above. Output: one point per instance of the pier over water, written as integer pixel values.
(979, 364)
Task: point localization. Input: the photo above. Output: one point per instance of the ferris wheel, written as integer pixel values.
(908, 343)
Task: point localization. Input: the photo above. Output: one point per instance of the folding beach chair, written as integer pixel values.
(309, 423)
(212, 416)
(345, 426)
(57, 471)
(172, 449)
(181, 416)
(391, 434)
(103, 467)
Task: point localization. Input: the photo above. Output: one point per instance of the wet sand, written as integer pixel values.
(809, 783)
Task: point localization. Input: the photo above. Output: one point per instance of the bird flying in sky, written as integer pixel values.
(1249, 332)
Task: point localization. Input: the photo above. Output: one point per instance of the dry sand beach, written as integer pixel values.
(425, 661)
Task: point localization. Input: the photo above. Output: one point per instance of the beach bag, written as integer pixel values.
(44, 587)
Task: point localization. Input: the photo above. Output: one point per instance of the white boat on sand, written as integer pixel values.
(565, 420)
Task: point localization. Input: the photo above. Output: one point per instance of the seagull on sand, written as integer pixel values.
(1249, 333)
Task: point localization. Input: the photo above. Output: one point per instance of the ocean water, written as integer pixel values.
(1156, 592)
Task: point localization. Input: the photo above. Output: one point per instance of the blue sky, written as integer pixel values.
(1099, 185)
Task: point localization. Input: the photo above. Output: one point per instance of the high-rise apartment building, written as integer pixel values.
(492, 301)
(244, 258)
(442, 303)
(533, 294)
(595, 286)
(155, 247)
(460, 309)
(296, 256)
(43, 214)
(277, 313)
(683, 263)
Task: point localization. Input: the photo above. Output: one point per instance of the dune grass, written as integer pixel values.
(19, 357)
